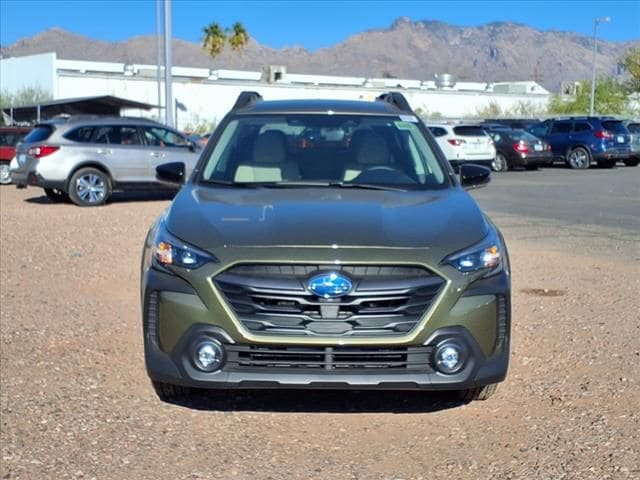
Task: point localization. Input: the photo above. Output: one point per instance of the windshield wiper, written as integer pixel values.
(367, 186)
(229, 183)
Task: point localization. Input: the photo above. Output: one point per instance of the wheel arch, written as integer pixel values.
(87, 164)
(579, 145)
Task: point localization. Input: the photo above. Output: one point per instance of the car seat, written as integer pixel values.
(268, 162)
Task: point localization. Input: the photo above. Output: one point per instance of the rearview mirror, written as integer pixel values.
(171, 173)
(474, 176)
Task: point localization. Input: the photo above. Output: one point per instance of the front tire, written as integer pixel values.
(89, 187)
(5, 174)
(632, 162)
(478, 393)
(170, 393)
(500, 163)
(578, 159)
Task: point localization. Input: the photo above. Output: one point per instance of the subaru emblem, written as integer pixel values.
(329, 285)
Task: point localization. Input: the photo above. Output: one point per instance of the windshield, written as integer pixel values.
(524, 136)
(324, 150)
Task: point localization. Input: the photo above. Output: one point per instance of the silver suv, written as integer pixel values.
(84, 159)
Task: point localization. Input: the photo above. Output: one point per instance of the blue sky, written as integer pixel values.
(311, 24)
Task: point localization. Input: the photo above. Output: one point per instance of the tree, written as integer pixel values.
(239, 37)
(610, 99)
(631, 63)
(24, 96)
(215, 38)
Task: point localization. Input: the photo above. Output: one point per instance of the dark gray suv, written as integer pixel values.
(85, 159)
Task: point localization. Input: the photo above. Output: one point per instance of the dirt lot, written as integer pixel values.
(76, 403)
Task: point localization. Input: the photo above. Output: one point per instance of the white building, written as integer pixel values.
(209, 94)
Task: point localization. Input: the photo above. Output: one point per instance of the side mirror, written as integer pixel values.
(171, 173)
(474, 176)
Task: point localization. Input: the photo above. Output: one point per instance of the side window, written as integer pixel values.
(581, 127)
(539, 129)
(161, 137)
(4, 139)
(634, 127)
(560, 127)
(80, 134)
(105, 134)
(438, 131)
(129, 136)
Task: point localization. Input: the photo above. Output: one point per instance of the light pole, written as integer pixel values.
(596, 22)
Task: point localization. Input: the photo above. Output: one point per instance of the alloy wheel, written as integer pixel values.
(5, 174)
(579, 158)
(91, 188)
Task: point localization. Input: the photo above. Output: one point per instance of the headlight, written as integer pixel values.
(169, 250)
(486, 255)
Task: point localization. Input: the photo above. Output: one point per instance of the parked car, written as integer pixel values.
(464, 144)
(199, 139)
(86, 159)
(358, 263)
(579, 141)
(517, 148)
(634, 129)
(9, 138)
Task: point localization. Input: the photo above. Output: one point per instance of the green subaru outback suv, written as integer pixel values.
(325, 244)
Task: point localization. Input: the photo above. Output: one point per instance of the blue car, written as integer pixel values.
(581, 141)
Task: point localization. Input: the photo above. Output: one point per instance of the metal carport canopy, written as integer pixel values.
(102, 105)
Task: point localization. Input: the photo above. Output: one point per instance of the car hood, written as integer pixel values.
(211, 218)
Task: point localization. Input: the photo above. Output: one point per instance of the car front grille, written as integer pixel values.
(252, 357)
(273, 299)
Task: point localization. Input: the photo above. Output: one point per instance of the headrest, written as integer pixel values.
(270, 147)
(371, 149)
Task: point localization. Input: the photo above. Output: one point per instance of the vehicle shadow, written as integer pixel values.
(320, 401)
(117, 197)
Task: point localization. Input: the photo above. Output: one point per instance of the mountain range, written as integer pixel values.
(500, 51)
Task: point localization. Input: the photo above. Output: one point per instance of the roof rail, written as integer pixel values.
(396, 99)
(245, 99)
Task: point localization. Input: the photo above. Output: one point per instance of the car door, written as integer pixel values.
(120, 149)
(560, 138)
(164, 145)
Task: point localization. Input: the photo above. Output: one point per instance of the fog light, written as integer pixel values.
(449, 358)
(207, 355)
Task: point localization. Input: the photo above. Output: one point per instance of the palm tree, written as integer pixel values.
(215, 38)
(239, 38)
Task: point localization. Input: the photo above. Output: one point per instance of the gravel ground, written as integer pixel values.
(76, 403)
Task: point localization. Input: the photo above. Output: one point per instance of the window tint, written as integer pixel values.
(324, 148)
(438, 131)
(614, 126)
(522, 135)
(81, 134)
(469, 131)
(115, 134)
(581, 127)
(10, 139)
(39, 133)
(161, 137)
(560, 127)
(634, 127)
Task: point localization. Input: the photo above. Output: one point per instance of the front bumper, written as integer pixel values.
(484, 338)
